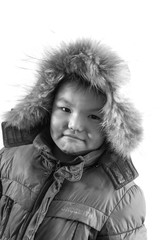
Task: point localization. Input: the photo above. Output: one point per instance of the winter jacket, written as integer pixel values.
(43, 200)
(95, 196)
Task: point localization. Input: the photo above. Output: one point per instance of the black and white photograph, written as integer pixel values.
(80, 120)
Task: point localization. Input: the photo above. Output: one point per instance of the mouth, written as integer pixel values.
(73, 137)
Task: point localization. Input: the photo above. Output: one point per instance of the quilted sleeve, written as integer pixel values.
(1, 153)
(126, 221)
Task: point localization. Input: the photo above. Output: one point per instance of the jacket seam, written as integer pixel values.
(108, 216)
(131, 230)
(12, 180)
(134, 186)
(1, 153)
(74, 234)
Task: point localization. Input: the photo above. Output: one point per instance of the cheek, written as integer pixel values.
(55, 120)
(52, 123)
(57, 124)
(54, 126)
(96, 136)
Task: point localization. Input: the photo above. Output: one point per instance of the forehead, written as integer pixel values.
(75, 94)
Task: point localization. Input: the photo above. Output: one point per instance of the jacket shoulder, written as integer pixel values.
(128, 216)
(15, 156)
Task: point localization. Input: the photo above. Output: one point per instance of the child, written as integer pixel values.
(66, 171)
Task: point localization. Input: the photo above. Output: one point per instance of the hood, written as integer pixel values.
(98, 65)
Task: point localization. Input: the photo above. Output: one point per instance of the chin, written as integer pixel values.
(71, 149)
(74, 152)
(70, 152)
(78, 153)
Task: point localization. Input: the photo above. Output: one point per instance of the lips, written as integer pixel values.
(73, 137)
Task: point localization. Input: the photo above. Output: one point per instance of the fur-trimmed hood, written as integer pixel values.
(100, 66)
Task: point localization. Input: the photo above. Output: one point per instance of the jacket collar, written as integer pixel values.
(72, 171)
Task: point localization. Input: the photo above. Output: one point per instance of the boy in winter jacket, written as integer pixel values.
(66, 171)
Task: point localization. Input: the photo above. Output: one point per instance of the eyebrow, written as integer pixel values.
(64, 100)
(69, 103)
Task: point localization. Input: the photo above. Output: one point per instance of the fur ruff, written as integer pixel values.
(100, 66)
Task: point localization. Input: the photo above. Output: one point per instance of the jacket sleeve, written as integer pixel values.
(126, 221)
(1, 153)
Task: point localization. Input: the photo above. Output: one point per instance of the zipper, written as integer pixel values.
(36, 205)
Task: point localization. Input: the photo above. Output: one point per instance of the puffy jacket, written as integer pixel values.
(94, 197)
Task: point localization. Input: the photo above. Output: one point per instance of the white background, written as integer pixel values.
(132, 28)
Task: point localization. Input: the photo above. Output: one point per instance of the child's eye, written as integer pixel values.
(65, 109)
(94, 117)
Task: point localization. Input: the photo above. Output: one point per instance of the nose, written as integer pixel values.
(76, 122)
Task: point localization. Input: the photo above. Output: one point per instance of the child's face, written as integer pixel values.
(75, 120)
